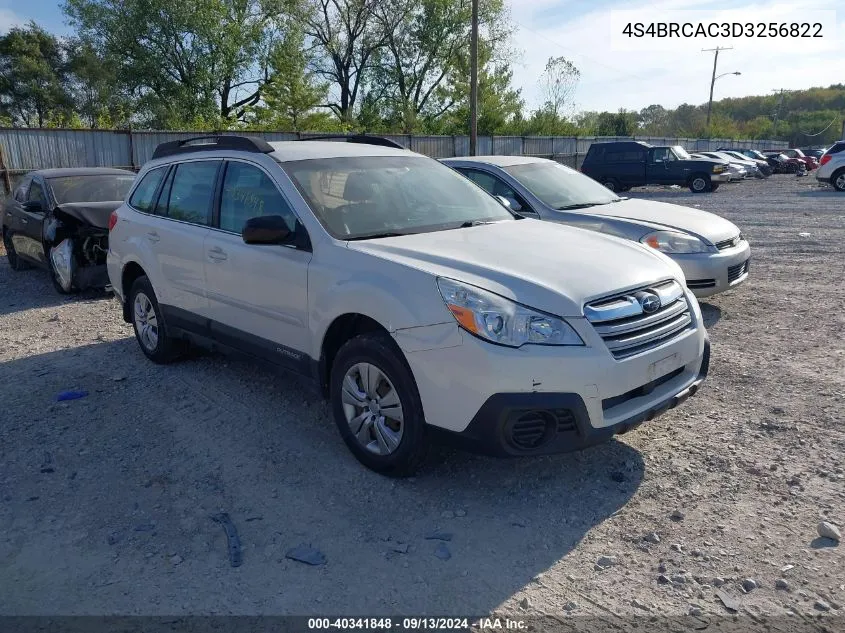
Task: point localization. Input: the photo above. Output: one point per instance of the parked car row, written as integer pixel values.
(506, 304)
(621, 165)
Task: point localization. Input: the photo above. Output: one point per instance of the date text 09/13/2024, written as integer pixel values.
(416, 624)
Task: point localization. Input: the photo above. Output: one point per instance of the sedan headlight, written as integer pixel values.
(502, 321)
(673, 242)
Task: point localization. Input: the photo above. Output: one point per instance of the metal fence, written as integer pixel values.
(24, 149)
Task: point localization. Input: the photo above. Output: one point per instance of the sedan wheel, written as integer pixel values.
(839, 181)
(373, 409)
(146, 322)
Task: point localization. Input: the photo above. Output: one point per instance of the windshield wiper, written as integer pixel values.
(469, 223)
(581, 205)
(373, 236)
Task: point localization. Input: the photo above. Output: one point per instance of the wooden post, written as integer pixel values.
(7, 181)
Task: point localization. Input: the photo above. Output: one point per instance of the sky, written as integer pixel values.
(619, 73)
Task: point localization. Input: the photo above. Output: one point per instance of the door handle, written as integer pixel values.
(153, 236)
(217, 254)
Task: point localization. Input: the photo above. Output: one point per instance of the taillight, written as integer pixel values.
(112, 220)
(825, 159)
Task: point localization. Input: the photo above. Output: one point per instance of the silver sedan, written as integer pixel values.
(709, 249)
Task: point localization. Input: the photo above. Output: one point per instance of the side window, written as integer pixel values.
(36, 193)
(495, 186)
(248, 193)
(660, 154)
(483, 180)
(143, 196)
(189, 193)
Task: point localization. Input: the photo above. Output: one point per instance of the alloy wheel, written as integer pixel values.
(146, 321)
(372, 408)
(699, 184)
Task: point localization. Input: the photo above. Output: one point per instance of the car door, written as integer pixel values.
(173, 232)
(257, 293)
(29, 221)
(657, 165)
(496, 186)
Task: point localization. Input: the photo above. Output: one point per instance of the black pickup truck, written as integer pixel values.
(620, 165)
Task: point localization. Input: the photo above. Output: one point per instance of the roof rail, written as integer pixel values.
(217, 141)
(364, 139)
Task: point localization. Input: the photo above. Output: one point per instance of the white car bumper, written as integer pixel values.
(483, 395)
(710, 273)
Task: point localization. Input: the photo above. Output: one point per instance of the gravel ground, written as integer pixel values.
(106, 500)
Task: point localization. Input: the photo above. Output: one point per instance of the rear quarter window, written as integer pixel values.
(837, 147)
(143, 196)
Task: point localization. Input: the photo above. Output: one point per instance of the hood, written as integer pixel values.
(700, 223)
(547, 266)
(91, 213)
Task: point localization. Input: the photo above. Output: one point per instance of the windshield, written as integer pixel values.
(560, 187)
(376, 196)
(681, 152)
(94, 188)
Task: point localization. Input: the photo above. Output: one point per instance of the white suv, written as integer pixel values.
(417, 302)
(832, 166)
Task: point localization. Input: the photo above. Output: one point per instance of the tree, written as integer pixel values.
(293, 93)
(653, 120)
(348, 35)
(195, 60)
(623, 123)
(33, 77)
(559, 81)
(98, 98)
(423, 52)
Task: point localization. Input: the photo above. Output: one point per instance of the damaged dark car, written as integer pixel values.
(58, 219)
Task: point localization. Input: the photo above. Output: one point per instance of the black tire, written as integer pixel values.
(838, 179)
(15, 262)
(55, 278)
(379, 350)
(623, 189)
(714, 186)
(166, 349)
(612, 184)
(699, 183)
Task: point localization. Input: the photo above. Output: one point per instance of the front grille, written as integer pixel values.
(627, 329)
(737, 271)
(726, 244)
(699, 284)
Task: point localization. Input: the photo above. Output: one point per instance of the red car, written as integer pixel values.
(810, 161)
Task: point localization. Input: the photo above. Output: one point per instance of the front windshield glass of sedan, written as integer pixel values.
(93, 188)
(681, 152)
(376, 196)
(560, 187)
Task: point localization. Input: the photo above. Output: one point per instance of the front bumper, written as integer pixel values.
(521, 424)
(457, 373)
(725, 176)
(711, 273)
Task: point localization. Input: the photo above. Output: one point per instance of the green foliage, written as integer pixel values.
(183, 61)
(33, 77)
(293, 93)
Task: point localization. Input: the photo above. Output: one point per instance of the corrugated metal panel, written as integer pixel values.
(25, 149)
(43, 148)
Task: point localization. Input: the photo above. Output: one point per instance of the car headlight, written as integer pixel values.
(502, 321)
(673, 242)
(718, 169)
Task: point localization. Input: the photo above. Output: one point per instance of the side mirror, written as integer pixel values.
(268, 229)
(510, 203)
(33, 206)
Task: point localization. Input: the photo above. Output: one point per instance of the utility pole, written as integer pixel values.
(473, 82)
(777, 112)
(713, 77)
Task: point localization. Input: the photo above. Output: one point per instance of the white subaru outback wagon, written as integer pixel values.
(419, 304)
